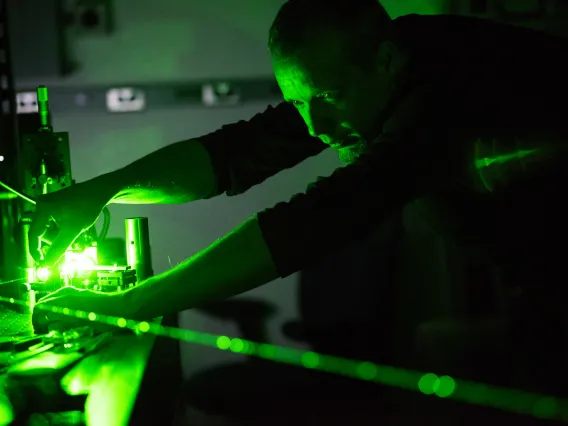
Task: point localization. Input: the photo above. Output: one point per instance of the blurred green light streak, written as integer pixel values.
(511, 400)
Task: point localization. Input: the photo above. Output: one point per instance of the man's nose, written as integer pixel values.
(318, 123)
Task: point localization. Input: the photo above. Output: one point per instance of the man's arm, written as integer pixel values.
(175, 174)
(346, 207)
(230, 160)
(236, 263)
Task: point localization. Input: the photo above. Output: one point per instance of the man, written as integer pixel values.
(465, 111)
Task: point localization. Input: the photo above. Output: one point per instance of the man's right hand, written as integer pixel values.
(64, 215)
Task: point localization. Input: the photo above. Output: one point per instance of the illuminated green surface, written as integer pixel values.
(503, 159)
(427, 383)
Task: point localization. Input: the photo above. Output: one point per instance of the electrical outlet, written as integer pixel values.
(125, 99)
(26, 103)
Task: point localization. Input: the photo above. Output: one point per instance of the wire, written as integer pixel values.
(106, 224)
(19, 194)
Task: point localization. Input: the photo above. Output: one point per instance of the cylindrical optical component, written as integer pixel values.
(138, 251)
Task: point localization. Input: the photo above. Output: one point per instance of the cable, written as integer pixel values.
(511, 400)
(19, 194)
(106, 224)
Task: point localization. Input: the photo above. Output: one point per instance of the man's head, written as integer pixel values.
(337, 62)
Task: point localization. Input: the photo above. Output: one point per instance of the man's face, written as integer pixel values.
(339, 101)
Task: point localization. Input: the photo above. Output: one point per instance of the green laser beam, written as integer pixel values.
(505, 399)
(20, 280)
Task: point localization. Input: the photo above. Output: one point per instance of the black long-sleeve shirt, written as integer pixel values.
(466, 77)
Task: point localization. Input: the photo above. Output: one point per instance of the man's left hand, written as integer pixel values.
(80, 303)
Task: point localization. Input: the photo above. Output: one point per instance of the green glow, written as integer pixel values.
(75, 387)
(144, 327)
(42, 274)
(502, 159)
(76, 262)
(266, 351)
(6, 412)
(236, 345)
(74, 265)
(310, 359)
(42, 94)
(367, 371)
(428, 383)
(477, 394)
(223, 342)
(545, 408)
(47, 361)
(444, 386)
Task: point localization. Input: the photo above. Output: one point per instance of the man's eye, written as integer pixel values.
(329, 96)
(296, 103)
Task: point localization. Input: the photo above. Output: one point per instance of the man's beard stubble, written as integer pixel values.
(351, 154)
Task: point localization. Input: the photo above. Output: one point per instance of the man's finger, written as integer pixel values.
(62, 292)
(59, 246)
(39, 226)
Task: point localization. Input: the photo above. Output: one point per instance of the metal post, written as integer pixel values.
(138, 251)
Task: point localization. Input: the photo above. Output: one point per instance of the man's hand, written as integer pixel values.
(109, 304)
(236, 263)
(63, 215)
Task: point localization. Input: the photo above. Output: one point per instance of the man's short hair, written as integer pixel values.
(364, 20)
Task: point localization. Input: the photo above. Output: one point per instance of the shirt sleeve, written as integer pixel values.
(351, 203)
(246, 153)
